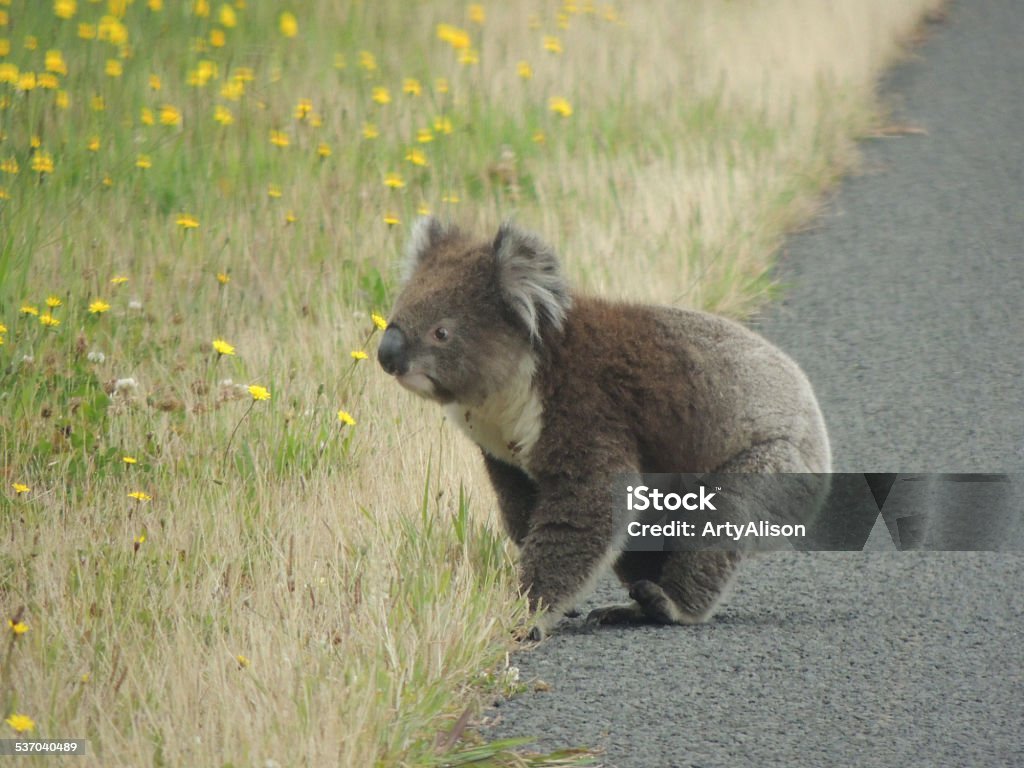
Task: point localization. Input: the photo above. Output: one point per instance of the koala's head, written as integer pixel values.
(469, 312)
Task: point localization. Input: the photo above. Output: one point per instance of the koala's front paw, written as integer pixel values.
(616, 614)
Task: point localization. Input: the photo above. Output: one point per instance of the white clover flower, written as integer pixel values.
(96, 357)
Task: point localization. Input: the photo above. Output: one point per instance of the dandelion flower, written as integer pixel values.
(10, 165)
(381, 95)
(552, 44)
(560, 106)
(143, 162)
(98, 307)
(140, 496)
(279, 138)
(147, 117)
(154, 83)
(370, 131)
(243, 662)
(424, 135)
(441, 85)
(524, 70)
(42, 162)
(394, 181)
(476, 13)
(17, 627)
(223, 115)
(94, 144)
(186, 221)
(367, 61)
(358, 354)
(170, 115)
(141, 538)
(258, 392)
(346, 418)
(391, 219)
(20, 723)
(323, 150)
(469, 56)
(54, 62)
(114, 68)
(65, 9)
(227, 16)
(379, 321)
(28, 309)
(118, 280)
(217, 38)
(222, 347)
(20, 488)
(49, 320)
(290, 217)
(457, 38)
(416, 157)
(423, 210)
(223, 278)
(129, 460)
(273, 190)
(288, 24)
(411, 86)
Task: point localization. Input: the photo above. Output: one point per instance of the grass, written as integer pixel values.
(290, 586)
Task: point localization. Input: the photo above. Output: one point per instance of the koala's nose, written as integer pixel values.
(391, 352)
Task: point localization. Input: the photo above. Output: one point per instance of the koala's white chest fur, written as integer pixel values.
(507, 424)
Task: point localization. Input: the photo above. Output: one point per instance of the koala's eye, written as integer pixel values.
(441, 333)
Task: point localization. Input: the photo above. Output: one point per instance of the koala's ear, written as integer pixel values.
(427, 233)
(531, 279)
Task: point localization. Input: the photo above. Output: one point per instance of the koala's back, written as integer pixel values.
(694, 389)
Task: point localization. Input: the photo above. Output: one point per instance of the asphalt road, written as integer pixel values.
(906, 308)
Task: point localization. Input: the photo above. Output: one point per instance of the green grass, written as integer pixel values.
(291, 587)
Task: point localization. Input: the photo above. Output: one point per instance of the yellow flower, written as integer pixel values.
(424, 135)
(423, 210)
(223, 115)
(279, 139)
(416, 157)
(98, 307)
(114, 68)
(141, 538)
(379, 321)
(469, 56)
(217, 38)
(118, 280)
(346, 418)
(143, 161)
(303, 108)
(28, 309)
(476, 13)
(273, 190)
(370, 131)
(381, 95)
(538, 138)
(222, 347)
(441, 85)
(450, 197)
(455, 37)
(367, 61)
(358, 354)
(186, 221)
(53, 302)
(20, 488)
(47, 81)
(18, 628)
(129, 460)
(8, 73)
(552, 44)
(42, 162)
(87, 31)
(243, 662)
(65, 9)
(140, 496)
(288, 24)
(147, 117)
(391, 219)
(55, 62)
(169, 115)
(154, 83)
(258, 392)
(223, 278)
(49, 320)
(394, 181)
(20, 723)
(97, 103)
(443, 125)
(233, 90)
(201, 8)
(10, 165)
(524, 70)
(94, 144)
(560, 106)
(323, 150)
(290, 217)
(412, 86)
(227, 16)
(3, 329)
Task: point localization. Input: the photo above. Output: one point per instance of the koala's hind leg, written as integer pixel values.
(688, 587)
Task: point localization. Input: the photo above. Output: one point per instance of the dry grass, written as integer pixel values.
(371, 600)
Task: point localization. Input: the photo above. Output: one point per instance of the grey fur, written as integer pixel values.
(563, 393)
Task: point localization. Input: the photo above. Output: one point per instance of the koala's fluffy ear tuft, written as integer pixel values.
(531, 279)
(427, 233)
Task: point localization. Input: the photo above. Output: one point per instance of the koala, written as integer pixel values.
(562, 392)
